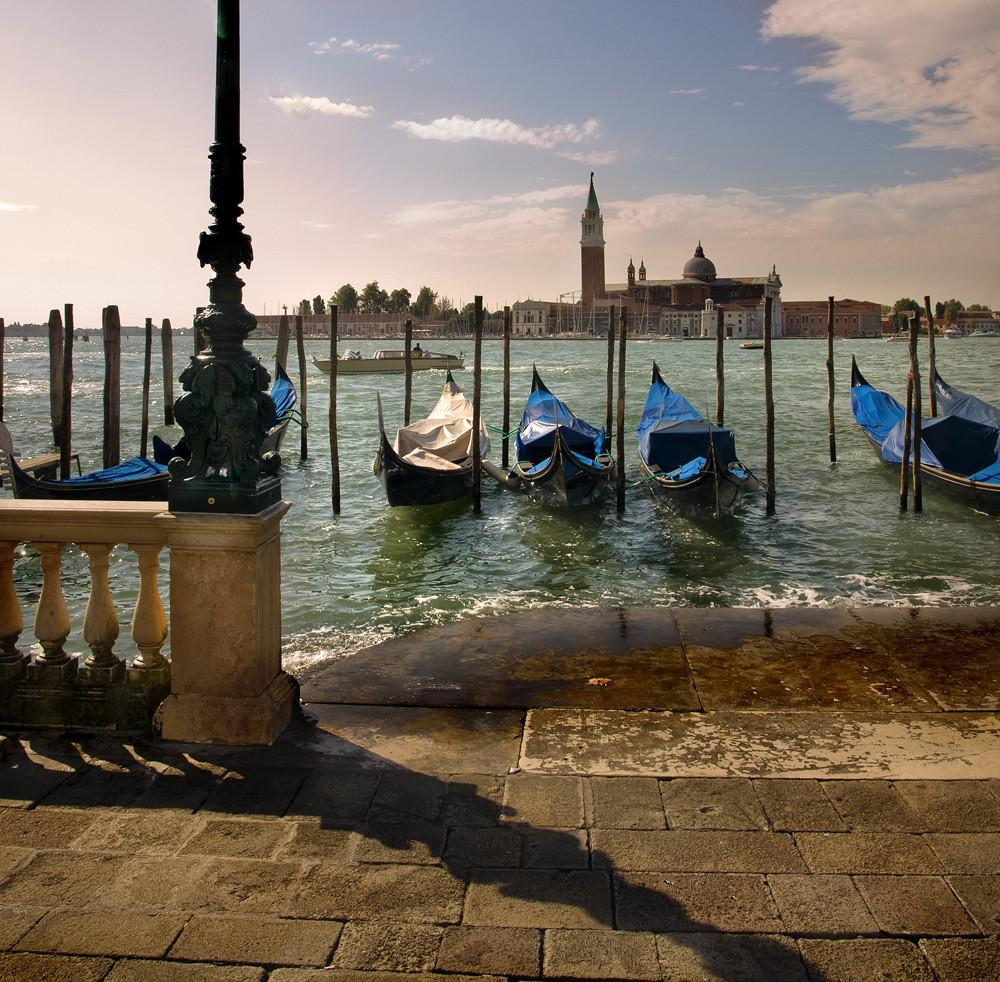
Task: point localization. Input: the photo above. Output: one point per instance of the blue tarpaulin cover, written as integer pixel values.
(952, 402)
(958, 445)
(672, 434)
(127, 470)
(543, 414)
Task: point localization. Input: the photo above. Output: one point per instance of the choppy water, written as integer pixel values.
(837, 537)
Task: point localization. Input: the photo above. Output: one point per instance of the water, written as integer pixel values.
(837, 538)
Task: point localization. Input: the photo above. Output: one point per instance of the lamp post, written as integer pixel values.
(225, 407)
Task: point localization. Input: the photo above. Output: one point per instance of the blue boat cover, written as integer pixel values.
(960, 446)
(283, 393)
(127, 470)
(543, 415)
(673, 435)
(952, 402)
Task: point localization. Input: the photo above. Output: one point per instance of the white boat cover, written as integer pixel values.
(444, 437)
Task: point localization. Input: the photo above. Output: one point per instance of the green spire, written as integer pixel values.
(592, 204)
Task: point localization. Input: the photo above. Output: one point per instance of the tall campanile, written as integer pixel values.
(592, 250)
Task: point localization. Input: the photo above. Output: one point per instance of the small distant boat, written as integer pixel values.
(430, 460)
(959, 457)
(391, 362)
(557, 451)
(953, 333)
(690, 462)
(752, 344)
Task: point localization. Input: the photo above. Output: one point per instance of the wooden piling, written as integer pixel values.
(768, 408)
(904, 470)
(147, 367)
(66, 412)
(55, 373)
(300, 344)
(918, 501)
(505, 459)
(281, 349)
(334, 451)
(408, 364)
(111, 331)
(608, 427)
(931, 360)
(477, 373)
(620, 415)
(167, 352)
(831, 386)
(720, 377)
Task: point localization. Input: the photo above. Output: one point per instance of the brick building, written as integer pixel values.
(851, 318)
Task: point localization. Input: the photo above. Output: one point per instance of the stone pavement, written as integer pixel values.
(809, 796)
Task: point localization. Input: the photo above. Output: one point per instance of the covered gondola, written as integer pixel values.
(952, 402)
(690, 463)
(557, 451)
(959, 456)
(430, 460)
(136, 479)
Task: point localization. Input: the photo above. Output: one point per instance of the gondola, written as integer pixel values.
(558, 452)
(959, 457)
(690, 463)
(430, 460)
(136, 479)
(952, 402)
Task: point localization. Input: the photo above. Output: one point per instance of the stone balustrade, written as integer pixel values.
(224, 682)
(55, 688)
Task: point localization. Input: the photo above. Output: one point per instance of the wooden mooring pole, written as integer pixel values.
(3, 345)
(768, 408)
(334, 451)
(66, 406)
(281, 348)
(408, 363)
(477, 374)
(720, 376)
(167, 352)
(608, 427)
(931, 359)
(55, 373)
(505, 457)
(620, 415)
(147, 374)
(918, 499)
(111, 330)
(303, 400)
(831, 384)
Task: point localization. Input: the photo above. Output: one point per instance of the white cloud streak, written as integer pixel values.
(12, 206)
(304, 105)
(457, 129)
(379, 50)
(932, 67)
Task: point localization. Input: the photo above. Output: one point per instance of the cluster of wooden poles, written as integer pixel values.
(618, 429)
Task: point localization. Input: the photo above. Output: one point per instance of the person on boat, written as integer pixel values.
(418, 351)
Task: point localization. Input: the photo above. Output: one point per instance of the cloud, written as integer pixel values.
(12, 206)
(759, 68)
(380, 50)
(457, 129)
(931, 67)
(498, 207)
(686, 91)
(305, 105)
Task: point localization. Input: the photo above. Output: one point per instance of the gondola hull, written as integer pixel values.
(152, 486)
(407, 484)
(880, 418)
(565, 476)
(701, 494)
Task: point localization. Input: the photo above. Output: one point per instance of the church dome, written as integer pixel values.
(698, 267)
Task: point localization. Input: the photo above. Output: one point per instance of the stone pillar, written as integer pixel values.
(225, 594)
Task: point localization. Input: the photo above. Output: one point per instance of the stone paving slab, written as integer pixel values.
(900, 746)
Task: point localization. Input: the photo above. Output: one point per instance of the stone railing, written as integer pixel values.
(55, 689)
(224, 682)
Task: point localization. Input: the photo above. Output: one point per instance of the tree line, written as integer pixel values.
(373, 300)
(944, 312)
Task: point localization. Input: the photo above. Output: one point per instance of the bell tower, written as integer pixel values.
(592, 250)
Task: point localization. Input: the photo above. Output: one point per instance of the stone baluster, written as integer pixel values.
(52, 624)
(100, 623)
(149, 622)
(13, 662)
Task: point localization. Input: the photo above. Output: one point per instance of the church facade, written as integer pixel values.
(686, 306)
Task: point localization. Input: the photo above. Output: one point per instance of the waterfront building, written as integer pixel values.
(851, 318)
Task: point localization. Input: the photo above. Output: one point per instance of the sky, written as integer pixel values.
(852, 145)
